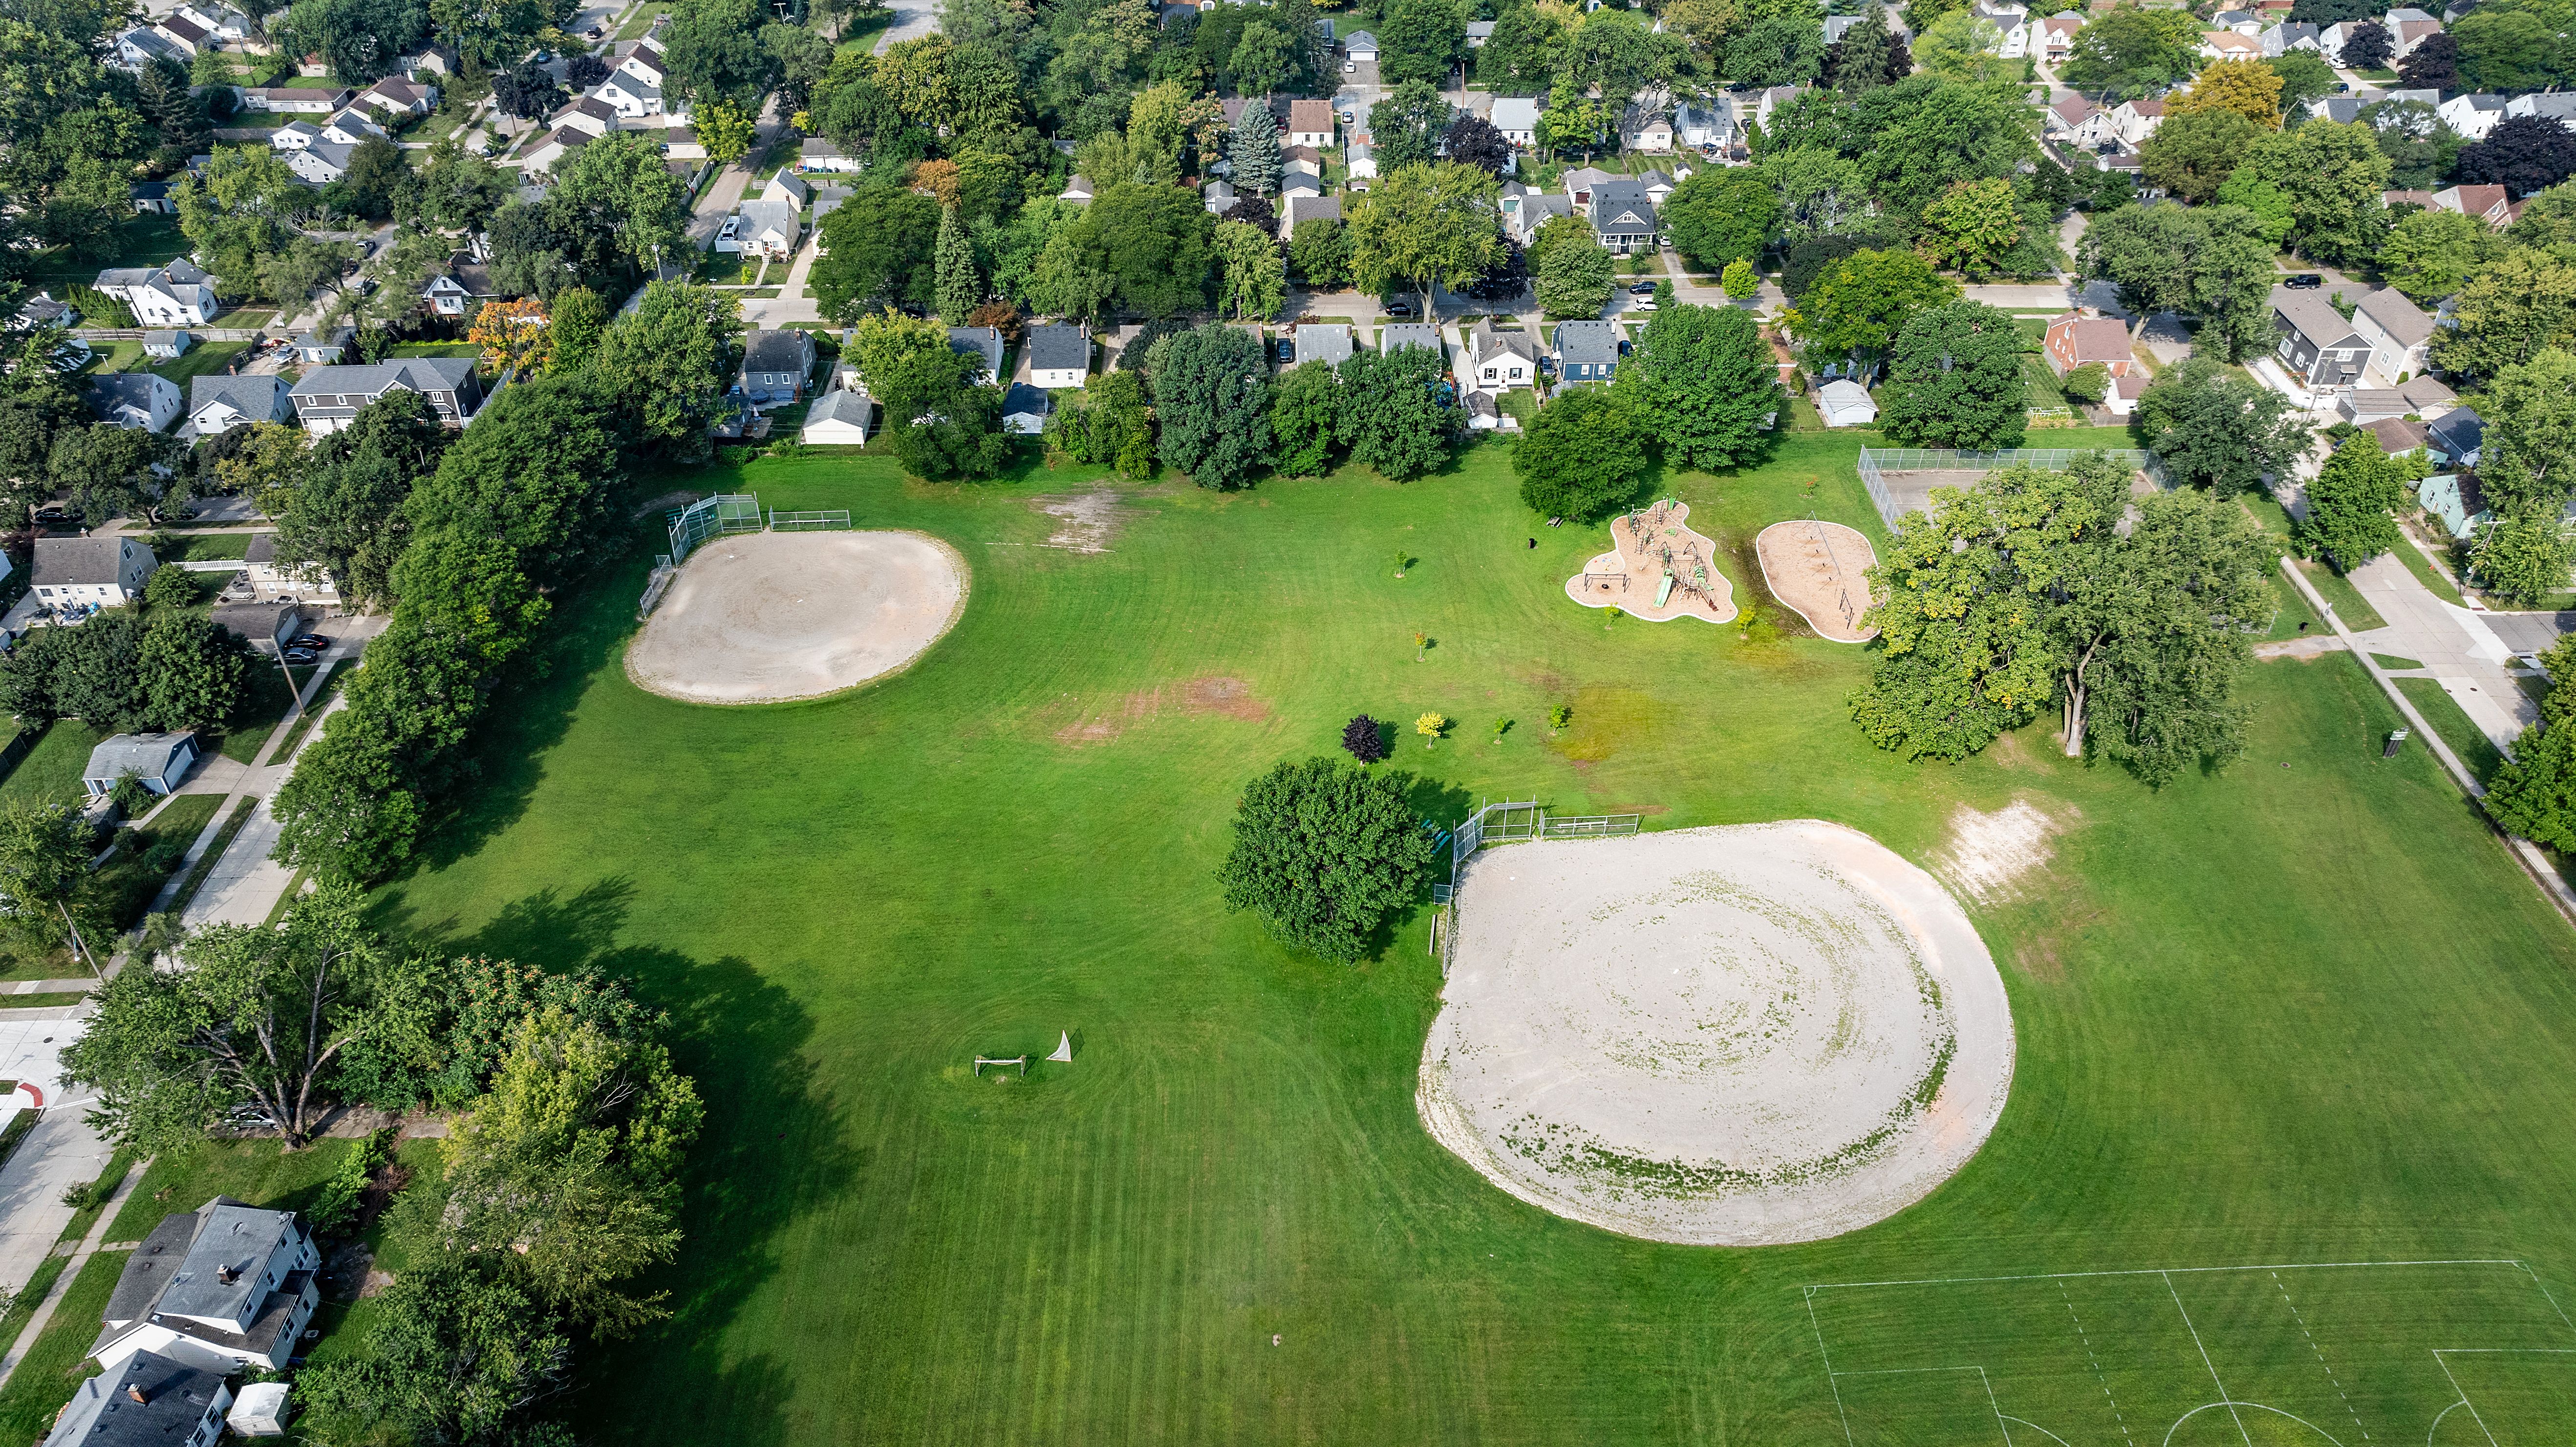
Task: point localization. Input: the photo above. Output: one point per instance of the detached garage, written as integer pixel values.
(1845, 404)
(159, 760)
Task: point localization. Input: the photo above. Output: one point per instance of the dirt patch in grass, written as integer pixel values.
(1988, 855)
(1075, 724)
(1086, 522)
(1231, 697)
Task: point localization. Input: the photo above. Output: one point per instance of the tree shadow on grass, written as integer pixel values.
(770, 1151)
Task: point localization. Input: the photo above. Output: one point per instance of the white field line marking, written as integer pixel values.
(2437, 1420)
(2094, 1362)
(2206, 1362)
(1829, 1367)
(2231, 1407)
(2321, 1355)
(2553, 1301)
(2165, 1271)
(1996, 1406)
(2043, 1431)
(2464, 1400)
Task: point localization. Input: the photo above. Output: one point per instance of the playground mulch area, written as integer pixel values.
(1658, 569)
(1821, 571)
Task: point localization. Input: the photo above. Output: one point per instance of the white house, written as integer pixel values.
(140, 401)
(177, 295)
(259, 1411)
(1644, 129)
(839, 419)
(149, 1399)
(221, 1287)
(1845, 404)
(1310, 123)
(590, 115)
(1359, 165)
(2549, 105)
(294, 136)
(631, 98)
(2288, 36)
(2013, 21)
(1059, 355)
(395, 96)
(1498, 361)
(352, 127)
(320, 163)
(816, 154)
(2056, 35)
(190, 37)
(167, 346)
(219, 404)
(139, 47)
(788, 190)
(75, 572)
(765, 228)
(160, 761)
(2471, 117)
(223, 22)
(2228, 45)
(1698, 128)
(2408, 28)
(300, 100)
(562, 142)
(1517, 118)
(2135, 120)
(2076, 121)
(2399, 333)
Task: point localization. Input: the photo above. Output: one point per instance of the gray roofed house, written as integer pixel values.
(1534, 212)
(839, 418)
(316, 349)
(320, 163)
(1361, 43)
(77, 572)
(2343, 110)
(1024, 410)
(326, 398)
(1499, 360)
(1217, 197)
(2400, 333)
(1478, 32)
(160, 761)
(221, 403)
(981, 342)
(1623, 218)
(2317, 347)
(1059, 354)
(1325, 342)
(828, 199)
(460, 288)
(814, 153)
(1295, 209)
(788, 186)
(2291, 35)
(2456, 435)
(41, 310)
(776, 364)
(1587, 351)
(1517, 118)
(2420, 397)
(137, 400)
(222, 1286)
(1396, 336)
(166, 345)
(151, 1401)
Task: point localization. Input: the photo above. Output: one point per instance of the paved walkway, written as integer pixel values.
(89, 1245)
(245, 884)
(2455, 647)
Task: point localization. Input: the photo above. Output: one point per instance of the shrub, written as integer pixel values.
(2088, 383)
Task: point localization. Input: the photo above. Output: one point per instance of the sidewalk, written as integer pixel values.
(2454, 645)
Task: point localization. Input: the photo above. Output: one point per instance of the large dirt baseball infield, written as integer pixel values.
(767, 617)
(1738, 1036)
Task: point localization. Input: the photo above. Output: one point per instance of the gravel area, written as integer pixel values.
(766, 617)
(1746, 1035)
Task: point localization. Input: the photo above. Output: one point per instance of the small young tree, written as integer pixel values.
(2522, 560)
(1324, 852)
(1740, 280)
(1559, 715)
(1431, 726)
(1363, 738)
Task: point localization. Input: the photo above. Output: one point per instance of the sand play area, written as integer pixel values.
(1820, 571)
(1738, 1036)
(765, 617)
(1658, 569)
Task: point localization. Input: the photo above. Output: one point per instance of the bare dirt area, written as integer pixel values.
(1072, 722)
(1820, 571)
(767, 617)
(1086, 522)
(1658, 570)
(1989, 854)
(1736, 1036)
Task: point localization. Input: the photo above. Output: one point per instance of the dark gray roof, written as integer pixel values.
(829, 198)
(1587, 342)
(1024, 398)
(162, 338)
(77, 561)
(421, 374)
(261, 549)
(146, 754)
(1489, 341)
(257, 622)
(815, 148)
(221, 1273)
(776, 351)
(2459, 432)
(1058, 347)
(174, 1403)
(147, 1272)
(1621, 208)
(985, 342)
(789, 183)
(133, 389)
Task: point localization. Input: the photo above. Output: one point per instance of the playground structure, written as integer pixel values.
(1820, 571)
(1658, 569)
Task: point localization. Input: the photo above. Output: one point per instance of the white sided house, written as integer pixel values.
(177, 295)
(159, 761)
(1498, 361)
(1059, 355)
(272, 581)
(221, 1287)
(76, 572)
(218, 404)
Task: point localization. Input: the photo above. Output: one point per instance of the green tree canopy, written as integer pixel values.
(1211, 397)
(2219, 429)
(1722, 214)
(1391, 416)
(2350, 506)
(1583, 455)
(1325, 852)
(2527, 459)
(1954, 380)
(1859, 303)
(1707, 385)
(1426, 224)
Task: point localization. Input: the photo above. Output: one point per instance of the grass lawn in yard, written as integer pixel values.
(2223, 1052)
(52, 770)
(59, 1361)
(2342, 597)
(641, 21)
(2385, 661)
(261, 1172)
(2425, 573)
(205, 359)
(207, 547)
(41, 1002)
(437, 349)
(722, 268)
(2454, 725)
(152, 240)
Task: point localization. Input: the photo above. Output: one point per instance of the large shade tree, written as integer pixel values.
(1325, 852)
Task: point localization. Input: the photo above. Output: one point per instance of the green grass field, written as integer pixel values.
(2303, 1010)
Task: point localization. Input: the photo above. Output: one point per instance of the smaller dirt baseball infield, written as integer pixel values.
(769, 617)
(1819, 570)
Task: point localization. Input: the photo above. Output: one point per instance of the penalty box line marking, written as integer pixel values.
(2168, 1271)
(2321, 1355)
(2441, 1352)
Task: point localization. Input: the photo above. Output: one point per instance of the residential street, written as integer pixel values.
(2457, 648)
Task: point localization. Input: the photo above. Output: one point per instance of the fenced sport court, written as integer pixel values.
(2335, 1354)
(1509, 822)
(1900, 479)
(711, 517)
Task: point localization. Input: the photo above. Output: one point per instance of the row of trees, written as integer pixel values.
(515, 507)
(558, 1179)
(1701, 391)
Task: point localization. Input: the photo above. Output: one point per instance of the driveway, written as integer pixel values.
(2456, 648)
(62, 1150)
(913, 19)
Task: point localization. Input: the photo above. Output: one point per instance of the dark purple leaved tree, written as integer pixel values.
(1364, 740)
(2523, 155)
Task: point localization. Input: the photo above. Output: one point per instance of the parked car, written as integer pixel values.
(1643, 288)
(1350, 67)
(732, 229)
(308, 640)
(1399, 308)
(302, 655)
(1287, 349)
(2305, 281)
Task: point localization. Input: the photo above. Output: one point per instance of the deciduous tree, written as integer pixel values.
(1970, 226)
(1425, 224)
(1954, 380)
(2218, 429)
(1858, 304)
(2523, 154)
(2350, 506)
(2193, 154)
(1391, 417)
(2523, 302)
(2248, 87)
(1722, 214)
(2522, 561)
(1252, 278)
(2431, 254)
(1583, 455)
(1305, 409)
(1211, 397)
(2527, 459)
(1706, 384)
(1325, 852)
